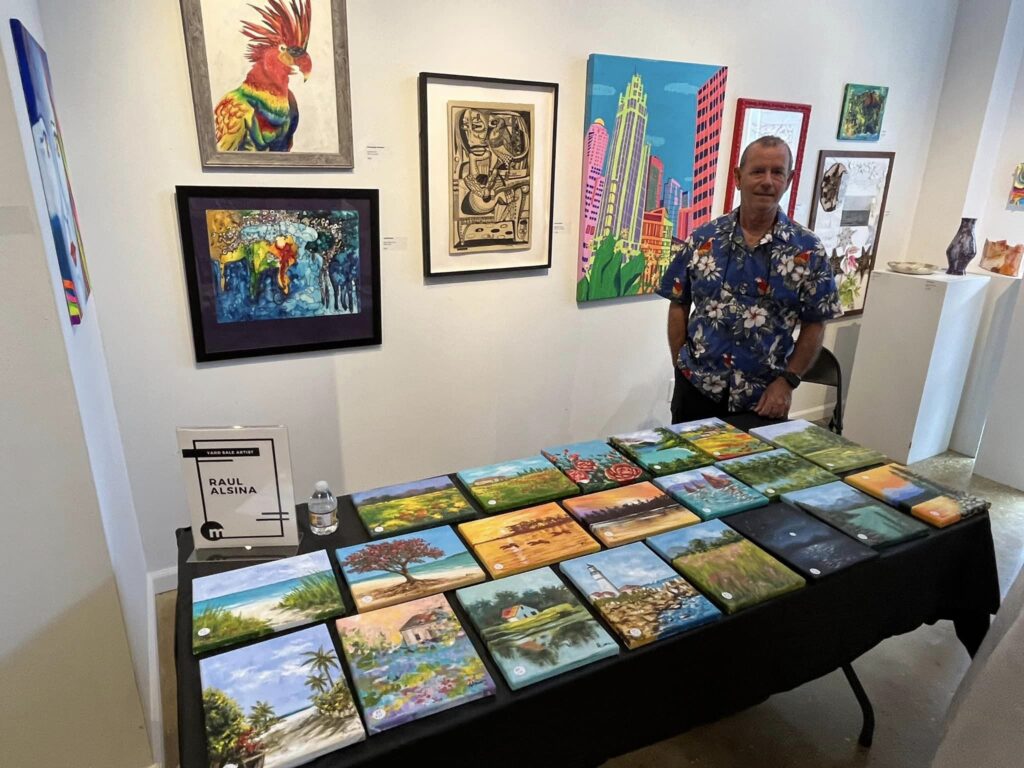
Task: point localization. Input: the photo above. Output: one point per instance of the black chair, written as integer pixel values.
(825, 370)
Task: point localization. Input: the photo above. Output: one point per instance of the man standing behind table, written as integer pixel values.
(749, 276)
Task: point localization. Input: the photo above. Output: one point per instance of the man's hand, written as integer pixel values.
(775, 402)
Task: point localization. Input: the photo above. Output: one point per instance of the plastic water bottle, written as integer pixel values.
(323, 510)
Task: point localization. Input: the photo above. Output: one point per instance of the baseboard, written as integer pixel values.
(156, 582)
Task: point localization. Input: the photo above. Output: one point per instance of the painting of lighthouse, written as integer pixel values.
(638, 594)
(650, 157)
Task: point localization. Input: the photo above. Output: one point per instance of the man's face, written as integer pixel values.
(764, 178)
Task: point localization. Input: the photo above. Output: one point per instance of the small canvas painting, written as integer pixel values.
(710, 492)
(518, 483)
(927, 500)
(534, 627)
(638, 595)
(245, 603)
(719, 439)
(594, 465)
(627, 514)
(410, 506)
(278, 703)
(863, 109)
(856, 514)
(410, 661)
(405, 567)
(732, 571)
(661, 451)
(806, 544)
(824, 447)
(526, 539)
(776, 472)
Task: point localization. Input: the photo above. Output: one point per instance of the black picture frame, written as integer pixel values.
(544, 96)
(238, 310)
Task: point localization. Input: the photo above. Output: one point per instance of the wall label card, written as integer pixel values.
(238, 482)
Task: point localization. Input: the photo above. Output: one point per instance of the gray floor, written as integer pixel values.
(909, 678)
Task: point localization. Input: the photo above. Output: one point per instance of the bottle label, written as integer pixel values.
(322, 520)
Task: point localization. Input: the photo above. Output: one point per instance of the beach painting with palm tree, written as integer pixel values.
(246, 603)
(534, 627)
(411, 660)
(278, 703)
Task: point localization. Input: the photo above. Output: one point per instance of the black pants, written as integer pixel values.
(689, 403)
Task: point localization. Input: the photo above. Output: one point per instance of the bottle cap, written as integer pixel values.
(321, 486)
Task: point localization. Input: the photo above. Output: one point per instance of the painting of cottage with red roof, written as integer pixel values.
(410, 661)
(534, 626)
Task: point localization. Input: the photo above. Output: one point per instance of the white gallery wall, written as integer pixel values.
(471, 370)
(64, 645)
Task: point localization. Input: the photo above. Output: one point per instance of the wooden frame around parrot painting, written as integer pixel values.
(301, 47)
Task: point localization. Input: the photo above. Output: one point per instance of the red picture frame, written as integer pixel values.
(743, 106)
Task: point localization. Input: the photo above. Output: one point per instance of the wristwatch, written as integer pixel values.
(791, 378)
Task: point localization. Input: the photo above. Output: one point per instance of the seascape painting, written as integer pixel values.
(710, 492)
(631, 513)
(776, 472)
(719, 439)
(652, 134)
(856, 514)
(410, 661)
(517, 483)
(805, 543)
(490, 176)
(410, 506)
(594, 465)
(406, 567)
(278, 703)
(935, 504)
(822, 446)
(526, 539)
(257, 600)
(661, 451)
(638, 594)
(729, 569)
(534, 627)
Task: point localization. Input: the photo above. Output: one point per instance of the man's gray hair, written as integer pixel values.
(768, 142)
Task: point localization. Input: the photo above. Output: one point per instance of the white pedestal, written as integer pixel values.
(1000, 457)
(912, 357)
(989, 348)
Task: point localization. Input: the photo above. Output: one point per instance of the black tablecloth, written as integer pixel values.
(587, 716)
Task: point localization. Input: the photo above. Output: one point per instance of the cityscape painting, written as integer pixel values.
(650, 157)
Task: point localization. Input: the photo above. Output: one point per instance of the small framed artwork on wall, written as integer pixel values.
(755, 119)
(275, 271)
(847, 209)
(270, 84)
(487, 170)
(863, 109)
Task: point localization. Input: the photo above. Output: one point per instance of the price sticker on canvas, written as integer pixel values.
(519, 670)
(492, 502)
(634, 632)
(862, 536)
(379, 529)
(769, 490)
(657, 466)
(791, 533)
(815, 571)
(378, 714)
(499, 567)
(366, 599)
(204, 632)
(727, 595)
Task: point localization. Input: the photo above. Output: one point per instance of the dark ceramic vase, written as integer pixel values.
(962, 249)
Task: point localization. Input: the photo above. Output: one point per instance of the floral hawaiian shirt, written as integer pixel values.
(745, 303)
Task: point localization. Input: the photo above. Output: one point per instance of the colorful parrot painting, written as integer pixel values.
(261, 115)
